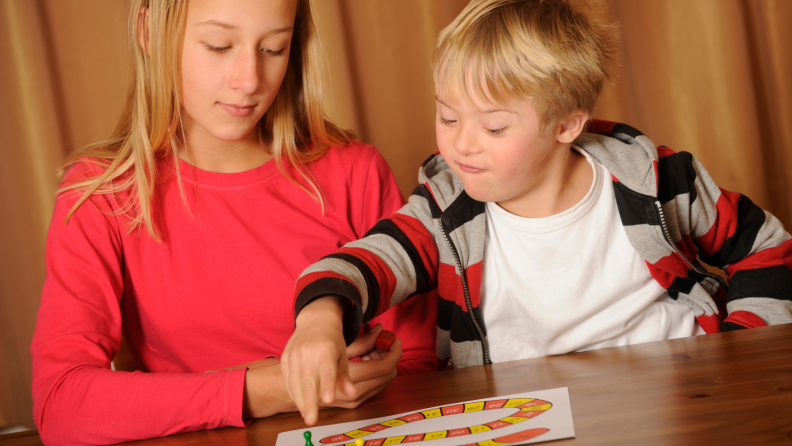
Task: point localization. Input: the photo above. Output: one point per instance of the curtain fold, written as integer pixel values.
(706, 76)
(31, 149)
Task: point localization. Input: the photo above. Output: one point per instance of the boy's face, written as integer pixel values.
(498, 151)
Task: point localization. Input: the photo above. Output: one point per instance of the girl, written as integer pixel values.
(186, 230)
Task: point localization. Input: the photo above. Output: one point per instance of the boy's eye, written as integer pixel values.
(217, 49)
(445, 121)
(496, 132)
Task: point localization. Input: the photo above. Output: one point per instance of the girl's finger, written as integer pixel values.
(366, 395)
(360, 371)
(365, 343)
(344, 384)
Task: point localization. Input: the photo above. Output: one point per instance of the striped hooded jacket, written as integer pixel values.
(672, 212)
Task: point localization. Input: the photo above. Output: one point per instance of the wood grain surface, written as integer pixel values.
(720, 389)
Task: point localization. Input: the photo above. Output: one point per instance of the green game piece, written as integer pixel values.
(307, 435)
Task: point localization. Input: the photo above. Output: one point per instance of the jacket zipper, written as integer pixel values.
(673, 246)
(484, 343)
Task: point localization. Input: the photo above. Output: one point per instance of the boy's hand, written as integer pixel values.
(315, 363)
(265, 393)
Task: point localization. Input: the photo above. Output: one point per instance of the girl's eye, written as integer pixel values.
(496, 132)
(445, 121)
(217, 49)
(273, 52)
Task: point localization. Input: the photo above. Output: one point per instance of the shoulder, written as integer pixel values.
(84, 168)
(80, 177)
(355, 153)
(354, 159)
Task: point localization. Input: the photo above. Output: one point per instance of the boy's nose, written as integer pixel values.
(245, 78)
(466, 142)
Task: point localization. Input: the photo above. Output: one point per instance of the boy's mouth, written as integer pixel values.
(469, 169)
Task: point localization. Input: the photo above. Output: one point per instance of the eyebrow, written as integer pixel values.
(216, 23)
(229, 26)
(482, 111)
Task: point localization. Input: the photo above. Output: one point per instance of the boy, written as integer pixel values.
(541, 239)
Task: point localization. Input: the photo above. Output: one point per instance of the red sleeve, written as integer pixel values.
(413, 321)
(78, 399)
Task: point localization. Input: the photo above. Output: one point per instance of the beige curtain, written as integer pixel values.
(707, 76)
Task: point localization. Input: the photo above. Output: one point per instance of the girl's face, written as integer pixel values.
(234, 59)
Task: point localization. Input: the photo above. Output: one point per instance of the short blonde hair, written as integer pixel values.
(551, 51)
(294, 126)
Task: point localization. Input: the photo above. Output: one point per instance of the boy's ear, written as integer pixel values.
(143, 29)
(572, 127)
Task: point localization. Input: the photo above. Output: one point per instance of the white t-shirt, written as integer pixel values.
(571, 282)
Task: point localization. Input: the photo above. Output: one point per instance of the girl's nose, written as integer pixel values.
(245, 78)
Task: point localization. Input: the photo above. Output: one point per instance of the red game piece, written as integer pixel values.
(385, 340)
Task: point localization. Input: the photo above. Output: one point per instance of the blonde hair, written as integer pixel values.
(546, 50)
(294, 125)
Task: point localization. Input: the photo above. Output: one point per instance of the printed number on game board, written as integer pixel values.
(525, 408)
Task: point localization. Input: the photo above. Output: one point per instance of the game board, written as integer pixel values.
(504, 420)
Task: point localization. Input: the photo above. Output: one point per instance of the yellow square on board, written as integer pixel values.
(394, 440)
(514, 402)
(393, 422)
(535, 408)
(356, 434)
(479, 428)
(435, 435)
(514, 420)
(474, 407)
(432, 413)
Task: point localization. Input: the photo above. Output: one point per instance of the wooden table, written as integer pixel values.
(721, 389)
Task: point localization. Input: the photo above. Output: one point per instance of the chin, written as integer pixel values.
(233, 134)
(479, 193)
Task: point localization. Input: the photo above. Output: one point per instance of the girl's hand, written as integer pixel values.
(368, 377)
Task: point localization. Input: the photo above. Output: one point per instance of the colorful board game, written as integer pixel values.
(524, 418)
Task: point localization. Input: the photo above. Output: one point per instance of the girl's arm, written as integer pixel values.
(78, 399)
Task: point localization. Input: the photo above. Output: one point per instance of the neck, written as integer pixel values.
(211, 154)
(563, 183)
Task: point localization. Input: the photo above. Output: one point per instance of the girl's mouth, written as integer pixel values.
(238, 110)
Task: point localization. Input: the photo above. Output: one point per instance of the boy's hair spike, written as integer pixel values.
(559, 53)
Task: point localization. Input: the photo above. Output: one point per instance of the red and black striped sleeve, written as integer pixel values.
(395, 260)
(731, 232)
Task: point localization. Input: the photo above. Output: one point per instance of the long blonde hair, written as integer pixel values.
(294, 125)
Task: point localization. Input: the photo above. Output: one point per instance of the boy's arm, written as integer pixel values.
(734, 234)
(396, 259)
(381, 198)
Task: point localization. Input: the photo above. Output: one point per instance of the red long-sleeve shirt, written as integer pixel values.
(214, 293)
